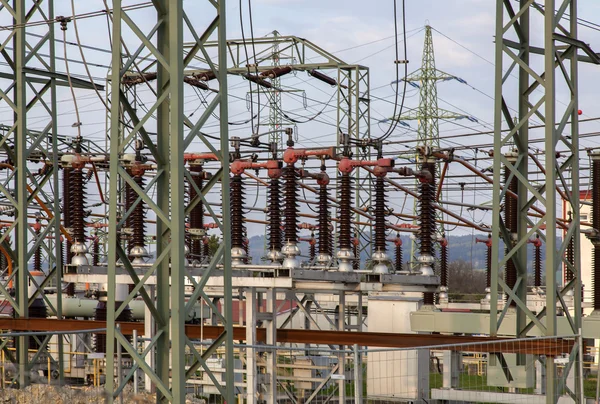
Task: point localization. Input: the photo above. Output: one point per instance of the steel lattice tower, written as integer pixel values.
(428, 113)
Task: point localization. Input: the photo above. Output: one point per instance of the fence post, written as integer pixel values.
(357, 376)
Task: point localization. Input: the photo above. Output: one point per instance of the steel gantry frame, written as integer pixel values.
(164, 43)
(560, 64)
(31, 80)
(353, 94)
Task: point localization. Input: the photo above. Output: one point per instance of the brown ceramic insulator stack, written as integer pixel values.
(274, 213)
(237, 215)
(96, 252)
(596, 226)
(356, 252)
(325, 241)
(291, 204)
(130, 198)
(100, 339)
(488, 267)
(569, 276)
(444, 265)
(66, 211)
(138, 218)
(380, 200)
(100, 315)
(398, 257)
(205, 249)
(37, 255)
(247, 258)
(78, 197)
(312, 251)
(510, 221)
(427, 212)
(344, 211)
(197, 213)
(427, 220)
(537, 257)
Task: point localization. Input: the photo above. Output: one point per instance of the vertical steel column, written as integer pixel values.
(561, 177)
(58, 255)
(177, 173)
(575, 240)
(113, 208)
(20, 147)
(226, 203)
(550, 156)
(175, 132)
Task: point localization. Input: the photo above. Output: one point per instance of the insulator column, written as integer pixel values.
(398, 253)
(77, 206)
(427, 225)
(96, 250)
(345, 253)
(290, 248)
(443, 295)
(511, 211)
(196, 229)
(37, 255)
(596, 225)
(206, 247)
(66, 210)
(488, 265)
(569, 275)
(324, 220)
(138, 252)
(312, 251)
(537, 263)
(274, 216)
(66, 213)
(355, 251)
(238, 252)
(380, 258)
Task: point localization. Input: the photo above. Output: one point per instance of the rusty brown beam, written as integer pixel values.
(548, 347)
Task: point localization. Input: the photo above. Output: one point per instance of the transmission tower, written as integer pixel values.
(428, 114)
(275, 116)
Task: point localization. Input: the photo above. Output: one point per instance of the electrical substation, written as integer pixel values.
(193, 215)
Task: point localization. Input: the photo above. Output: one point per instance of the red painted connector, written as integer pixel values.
(239, 166)
(199, 156)
(487, 241)
(382, 166)
(322, 177)
(292, 155)
(537, 242)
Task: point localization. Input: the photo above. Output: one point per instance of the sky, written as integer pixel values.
(357, 32)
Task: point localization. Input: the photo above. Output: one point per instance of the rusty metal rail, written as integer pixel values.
(548, 347)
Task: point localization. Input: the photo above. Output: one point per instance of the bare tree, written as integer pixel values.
(462, 278)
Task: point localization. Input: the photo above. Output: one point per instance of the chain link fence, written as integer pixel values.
(508, 371)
